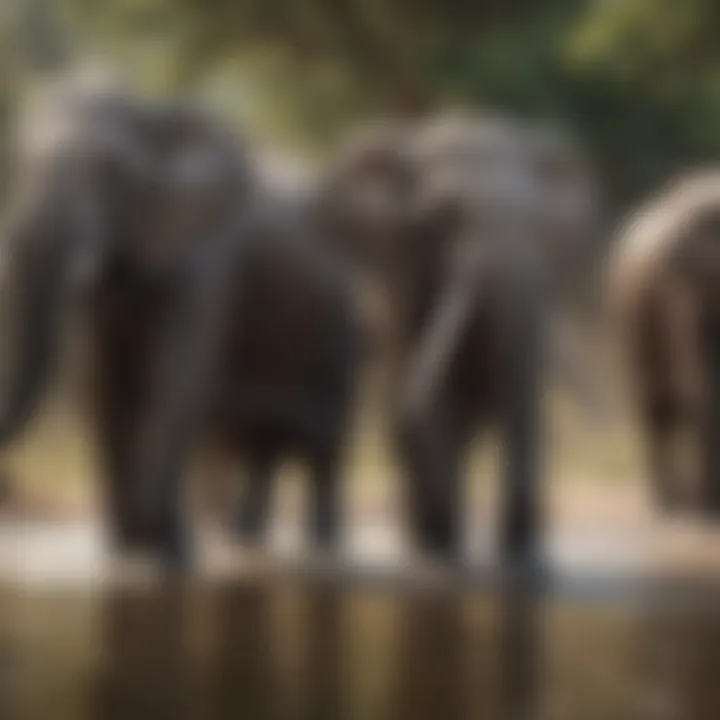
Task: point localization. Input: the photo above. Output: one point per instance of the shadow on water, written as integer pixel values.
(274, 648)
(144, 669)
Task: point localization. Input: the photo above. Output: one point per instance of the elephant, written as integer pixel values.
(662, 279)
(291, 365)
(206, 315)
(467, 223)
(134, 208)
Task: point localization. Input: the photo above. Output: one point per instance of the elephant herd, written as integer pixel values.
(223, 309)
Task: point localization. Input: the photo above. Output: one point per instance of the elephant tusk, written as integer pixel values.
(439, 340)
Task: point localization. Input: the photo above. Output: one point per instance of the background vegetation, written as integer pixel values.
(638, 80)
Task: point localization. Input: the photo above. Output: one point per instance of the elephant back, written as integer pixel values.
(666, 235)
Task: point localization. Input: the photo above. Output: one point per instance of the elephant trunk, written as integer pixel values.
(31, 289)
(445, 328)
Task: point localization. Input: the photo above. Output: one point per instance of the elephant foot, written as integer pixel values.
(177, 554)
(323, 560)
(129, 539)
(325, 544)
(450, 557)
(174, 550)
(324, 535)
(671, 504)
(528, 570)
(249, 531)
(442, 546)
(170, 542)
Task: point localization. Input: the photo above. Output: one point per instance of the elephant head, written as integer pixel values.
(364, 196)
(441, 206)
(395, 182)
(101, 176)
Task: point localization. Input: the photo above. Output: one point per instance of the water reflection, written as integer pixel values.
(431, 680)
(680, 660)
(245, 672)
(268, 650)
(279, 652)
(316, 650)
(144, 669)
(519, 656)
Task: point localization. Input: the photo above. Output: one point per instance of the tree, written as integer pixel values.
(637, 80)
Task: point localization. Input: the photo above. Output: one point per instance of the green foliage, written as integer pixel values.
(656, 66)
(637, 80)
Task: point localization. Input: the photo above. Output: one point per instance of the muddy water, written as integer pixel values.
(297, 649)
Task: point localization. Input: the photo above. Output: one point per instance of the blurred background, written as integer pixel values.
(637, 80)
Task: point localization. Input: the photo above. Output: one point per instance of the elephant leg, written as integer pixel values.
(180, 382)
(413, 472)
(431, 458)
(167, 531)
(710, 462)
(662, 425)
(710, 438)
(440, 520)
(520, 524)
(125, 530)
(325, 503)
(520, 528)
(683, 415)
(429, 439)
(113, 411)
(252, 517)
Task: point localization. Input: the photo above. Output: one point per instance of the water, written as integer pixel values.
(314, 649)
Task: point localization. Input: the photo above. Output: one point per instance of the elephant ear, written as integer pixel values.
(202, 178)
(365, 196)
(472, 168)
(170, 175)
